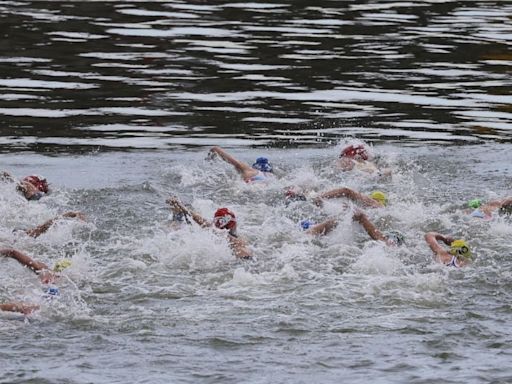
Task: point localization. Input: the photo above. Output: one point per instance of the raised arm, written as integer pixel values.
(45, 275)
(180, 207)
(39, 230)
(369, 227)
(239, 165)
(24, 259)
(432, 239)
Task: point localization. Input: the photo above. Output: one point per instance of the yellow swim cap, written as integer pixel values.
(380, 197)
(460, 248)
(62, 265)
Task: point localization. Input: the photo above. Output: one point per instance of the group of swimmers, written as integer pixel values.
(224, 223)
(352, 157)
(34, 187)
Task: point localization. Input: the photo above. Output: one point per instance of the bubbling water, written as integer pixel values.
(134, 273)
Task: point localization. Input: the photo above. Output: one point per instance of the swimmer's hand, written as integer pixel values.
(212, 154)
(177, 205)
(46, 276)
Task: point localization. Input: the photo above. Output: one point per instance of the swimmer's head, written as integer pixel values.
(379, 197)
(262, 165)
(474, 203)
(37, 181)
(396, 237)
(61, 265)
(460, 248)
(306, 224)
(224, 219)
(506, 209)
(356, 152)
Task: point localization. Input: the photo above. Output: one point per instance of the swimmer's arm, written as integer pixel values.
(199, 219)
(369, 227)
(239, 165)
(322, 228)
(23, 259)
(350, 194)
(506, 201)
(173, 201)
(432, 239)
(333, 194)
(367, 201)
(39, 230)
(239, 247)
(490, 206)
(338, 192)
(495, 204)
(26, 309)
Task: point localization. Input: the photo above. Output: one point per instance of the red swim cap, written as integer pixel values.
(224, 218)
(356, 152)
(37, 181)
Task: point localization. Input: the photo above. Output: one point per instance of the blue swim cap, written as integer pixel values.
(306, 224)
(262, 165)
(52, 291)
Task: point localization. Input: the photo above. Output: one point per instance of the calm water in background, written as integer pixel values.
(117, 103)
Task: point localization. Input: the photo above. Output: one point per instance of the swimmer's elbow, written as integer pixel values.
(429, 235)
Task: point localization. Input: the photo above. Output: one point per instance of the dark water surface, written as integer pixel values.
(76, 75)
(117, 104)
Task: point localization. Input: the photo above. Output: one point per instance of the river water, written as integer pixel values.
(118, 103)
